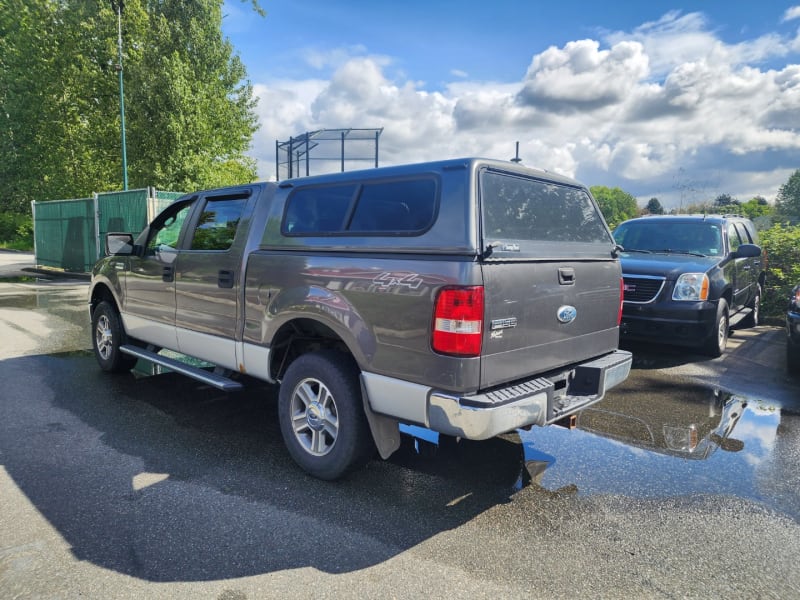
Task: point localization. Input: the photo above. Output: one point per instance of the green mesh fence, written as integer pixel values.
(64, 234)
(168, 196)
(70, 234)
(121, 212)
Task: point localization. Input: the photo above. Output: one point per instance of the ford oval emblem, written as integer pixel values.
(566, 314)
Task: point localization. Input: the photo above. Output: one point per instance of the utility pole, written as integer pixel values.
(118, 5)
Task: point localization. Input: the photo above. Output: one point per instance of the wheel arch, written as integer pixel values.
(101, 292)
(301, 335)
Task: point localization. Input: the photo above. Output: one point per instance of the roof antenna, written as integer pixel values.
(517, 159)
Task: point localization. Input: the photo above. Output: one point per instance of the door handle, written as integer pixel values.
(168, 274)
(225, 279)
(566, 276)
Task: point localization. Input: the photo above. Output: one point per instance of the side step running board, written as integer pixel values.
(213, 379)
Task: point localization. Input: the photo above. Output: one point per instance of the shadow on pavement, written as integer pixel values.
(166, 480)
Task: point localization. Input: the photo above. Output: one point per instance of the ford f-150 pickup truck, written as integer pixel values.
(468, 296)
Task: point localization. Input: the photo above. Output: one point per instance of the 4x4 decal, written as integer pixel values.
(386, 280)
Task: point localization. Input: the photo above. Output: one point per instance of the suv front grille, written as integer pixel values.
(642, 289)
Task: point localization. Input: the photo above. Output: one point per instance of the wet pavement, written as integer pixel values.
(683, 482)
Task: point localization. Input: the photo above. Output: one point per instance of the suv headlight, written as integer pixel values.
(691, 286)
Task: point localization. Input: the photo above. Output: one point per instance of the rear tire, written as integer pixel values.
(754, 318)
(792, 358)
(718, 340)
(107, 337)
(321, 414)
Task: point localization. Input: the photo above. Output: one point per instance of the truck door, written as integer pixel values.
(149, 306)
(207, 280)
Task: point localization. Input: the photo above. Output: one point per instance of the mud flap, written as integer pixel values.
(385, 430)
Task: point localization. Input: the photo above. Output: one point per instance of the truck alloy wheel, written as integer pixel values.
(322, 416)
(108, 336)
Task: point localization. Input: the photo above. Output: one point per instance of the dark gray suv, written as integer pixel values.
(688, 278)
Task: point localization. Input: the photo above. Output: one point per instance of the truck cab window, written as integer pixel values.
(168, 229)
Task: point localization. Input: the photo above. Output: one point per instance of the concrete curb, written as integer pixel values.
(56, 274)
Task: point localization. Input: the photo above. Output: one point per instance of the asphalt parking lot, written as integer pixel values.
(683, 482)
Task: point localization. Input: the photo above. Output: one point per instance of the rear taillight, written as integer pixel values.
(621, 299)
(458, 321)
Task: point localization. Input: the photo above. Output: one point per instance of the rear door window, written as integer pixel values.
(218, 222)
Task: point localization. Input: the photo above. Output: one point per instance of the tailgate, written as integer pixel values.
(541, 315)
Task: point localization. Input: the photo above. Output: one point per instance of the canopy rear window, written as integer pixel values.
(520, 211)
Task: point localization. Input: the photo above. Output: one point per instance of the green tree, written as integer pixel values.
(756, 207)
(654, 207)
(725, 200)
(190, 112)
(787, 203)
(782, 244)
(616, 205)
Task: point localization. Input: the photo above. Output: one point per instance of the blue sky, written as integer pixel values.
(681, 101)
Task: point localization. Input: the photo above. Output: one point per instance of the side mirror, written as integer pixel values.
(119, 244)
(747, 251)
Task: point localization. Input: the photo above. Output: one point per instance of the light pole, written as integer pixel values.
(118, 5)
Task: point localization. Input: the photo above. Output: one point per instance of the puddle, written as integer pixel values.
(675, 444)
(676, 439)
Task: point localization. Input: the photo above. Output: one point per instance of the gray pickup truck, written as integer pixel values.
(468, 296)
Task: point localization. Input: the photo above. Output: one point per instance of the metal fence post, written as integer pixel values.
(33, 214)
(96, 203)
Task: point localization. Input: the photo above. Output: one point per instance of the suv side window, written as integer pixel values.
(217, 225)
(744, 234)
(733, 238)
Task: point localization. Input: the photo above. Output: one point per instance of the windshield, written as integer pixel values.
(684, 237)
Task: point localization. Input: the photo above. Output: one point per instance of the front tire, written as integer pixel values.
(718, 340)
(322, 416)
(107, 337)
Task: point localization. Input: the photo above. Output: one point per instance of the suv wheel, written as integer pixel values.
(718, 340)
(322, 417)
(754, 318)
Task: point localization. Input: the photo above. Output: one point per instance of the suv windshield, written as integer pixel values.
(701, 237)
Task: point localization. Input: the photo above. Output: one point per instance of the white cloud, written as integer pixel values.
(582, 77)
(668, 110)
(791, 14)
